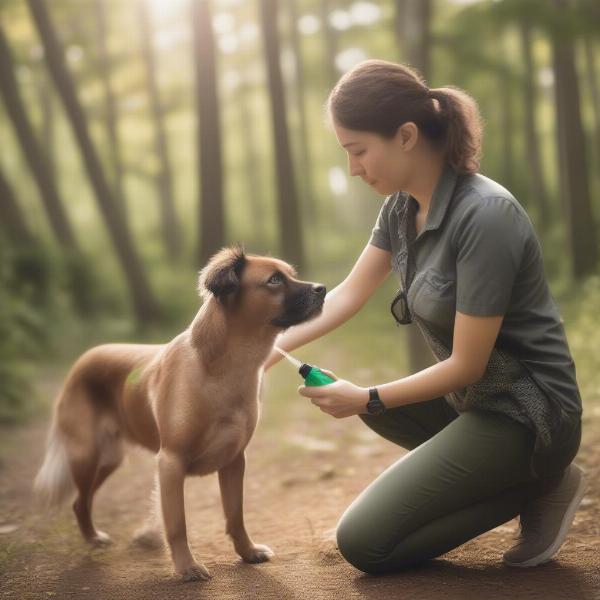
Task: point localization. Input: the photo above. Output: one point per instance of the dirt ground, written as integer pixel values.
(299, 479)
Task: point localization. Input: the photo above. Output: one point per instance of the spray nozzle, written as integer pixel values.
(312, 375)
(293, 360)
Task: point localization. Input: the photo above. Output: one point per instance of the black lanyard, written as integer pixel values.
(411, 236)
(399, 305)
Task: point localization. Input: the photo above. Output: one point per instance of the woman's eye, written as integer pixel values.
(359, 153)
(275, 278)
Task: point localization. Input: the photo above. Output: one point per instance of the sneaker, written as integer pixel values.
(546, 521)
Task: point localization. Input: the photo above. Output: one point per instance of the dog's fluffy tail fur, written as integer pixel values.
(54, 482)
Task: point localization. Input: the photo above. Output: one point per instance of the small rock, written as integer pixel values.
(8, 528)
(291, 481)
(364, 450)
(310, 443)
(327, 472)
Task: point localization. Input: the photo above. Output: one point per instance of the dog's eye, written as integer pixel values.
(275, 279)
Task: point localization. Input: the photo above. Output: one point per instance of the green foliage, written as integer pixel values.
(580, 313)
(52, 306)
(24, 288)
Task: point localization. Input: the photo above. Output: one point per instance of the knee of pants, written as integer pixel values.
(357, 548)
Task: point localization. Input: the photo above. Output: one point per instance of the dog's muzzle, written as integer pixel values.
(302, 305)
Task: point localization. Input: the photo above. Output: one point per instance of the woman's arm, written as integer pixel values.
(343, 302)
(474, 339)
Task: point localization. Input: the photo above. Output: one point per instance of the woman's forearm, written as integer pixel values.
(342, 303)
(438, 380)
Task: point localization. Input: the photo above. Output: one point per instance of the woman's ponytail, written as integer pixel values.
(463, 128)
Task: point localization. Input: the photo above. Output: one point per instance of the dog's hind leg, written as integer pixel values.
(150, 535)
(90, 470)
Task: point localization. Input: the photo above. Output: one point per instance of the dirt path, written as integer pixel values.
(296, 488)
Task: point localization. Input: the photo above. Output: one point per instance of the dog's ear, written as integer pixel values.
(221, 276)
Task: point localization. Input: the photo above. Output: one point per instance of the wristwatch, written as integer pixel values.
(375, 405)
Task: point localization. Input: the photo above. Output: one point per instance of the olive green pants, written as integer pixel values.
(465, 474)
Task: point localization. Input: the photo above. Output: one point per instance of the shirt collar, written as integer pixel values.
(440, 201)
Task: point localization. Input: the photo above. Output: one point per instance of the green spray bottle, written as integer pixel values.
(312, 375)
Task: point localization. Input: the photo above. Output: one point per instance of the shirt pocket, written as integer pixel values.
(434, 300)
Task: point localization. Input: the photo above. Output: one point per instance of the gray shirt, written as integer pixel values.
(478, 254)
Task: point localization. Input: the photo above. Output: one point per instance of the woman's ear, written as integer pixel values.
(407, 135)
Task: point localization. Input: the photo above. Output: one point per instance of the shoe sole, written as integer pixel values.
(562, 532)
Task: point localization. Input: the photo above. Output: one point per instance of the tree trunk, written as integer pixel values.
(46, 101)
(331, 43)
(144, 303)
(212, 214)
(506, 122)
(571, 143)
(111, 108)
(539, 193)
(421, 45)
(307, 187)
(32, 151)
(251, 164)
(11, 218)
(170, 226)
(290, 225)
(413, 31)
(400, 15)
(590, 66)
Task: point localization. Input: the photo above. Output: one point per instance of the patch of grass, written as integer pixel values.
(581, 316)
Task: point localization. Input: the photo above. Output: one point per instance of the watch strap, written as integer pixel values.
(375, 405)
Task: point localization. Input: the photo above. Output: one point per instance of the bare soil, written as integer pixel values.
(299, 479)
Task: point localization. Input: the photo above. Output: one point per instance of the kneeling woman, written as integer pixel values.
(493, 427)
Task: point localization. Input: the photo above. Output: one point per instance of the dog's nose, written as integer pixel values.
(319, 289)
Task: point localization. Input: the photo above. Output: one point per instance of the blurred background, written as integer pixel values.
(139, 136)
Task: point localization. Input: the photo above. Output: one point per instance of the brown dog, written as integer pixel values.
(194, 401)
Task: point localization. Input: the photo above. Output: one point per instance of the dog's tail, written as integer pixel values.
(54, 482)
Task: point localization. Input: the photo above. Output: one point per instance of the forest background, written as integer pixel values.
(137, 137)
(140, 136)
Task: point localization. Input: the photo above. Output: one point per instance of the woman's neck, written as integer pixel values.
(423, 185)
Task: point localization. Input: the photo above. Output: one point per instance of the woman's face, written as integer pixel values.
(385, 164)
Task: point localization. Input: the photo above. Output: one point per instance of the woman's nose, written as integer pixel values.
(354, 167)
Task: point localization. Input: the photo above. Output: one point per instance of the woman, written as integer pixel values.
(494, 425)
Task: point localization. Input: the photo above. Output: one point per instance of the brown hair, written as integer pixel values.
(380, 96)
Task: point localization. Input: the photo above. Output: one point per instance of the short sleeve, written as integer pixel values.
(490, 244)
(380, 236)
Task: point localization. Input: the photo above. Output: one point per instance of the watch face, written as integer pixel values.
(375, 406)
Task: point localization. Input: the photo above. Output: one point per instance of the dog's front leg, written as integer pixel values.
(171, 474)
(231, 481)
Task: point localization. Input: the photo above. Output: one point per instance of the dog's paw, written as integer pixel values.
(257, 553)
(195, 572)
(148, 539)
(100, 539)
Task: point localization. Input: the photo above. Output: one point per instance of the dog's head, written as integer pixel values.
(260, 289)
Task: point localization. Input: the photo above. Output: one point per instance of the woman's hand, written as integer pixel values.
(339, 399)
